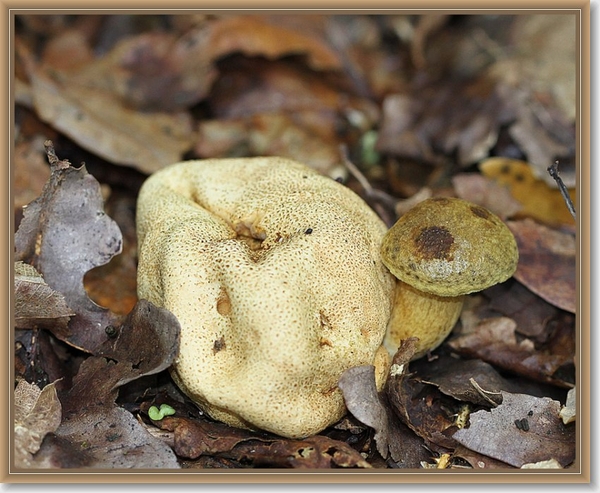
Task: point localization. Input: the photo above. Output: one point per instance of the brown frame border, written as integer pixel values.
(580, 474)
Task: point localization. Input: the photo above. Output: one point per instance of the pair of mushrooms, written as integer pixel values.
(281, 279)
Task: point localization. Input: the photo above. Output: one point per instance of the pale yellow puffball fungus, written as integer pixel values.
(275, 275)
(441, 250)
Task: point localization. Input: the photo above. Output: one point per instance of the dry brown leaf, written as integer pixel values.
(145, 344)
(523, 429)
(494, 340)
(483, 191)
(100, 123)
(538, 79)
(432, 121)
(114, 284)
(423, 408)
(477, 460)
(362, 400)
(37, 413)
(530, 312)
(473, 381)
(547, 263)
(392, 437)
(195, 438)
(36, 304)
(271, 37)
(151, 72)
(159, 71)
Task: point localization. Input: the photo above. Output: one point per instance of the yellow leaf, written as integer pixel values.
(539, 201)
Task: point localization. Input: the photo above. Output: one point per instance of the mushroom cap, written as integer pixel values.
(450, 247)
(275, 275)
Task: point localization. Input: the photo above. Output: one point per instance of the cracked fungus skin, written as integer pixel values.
(275, 275)
(450, 247)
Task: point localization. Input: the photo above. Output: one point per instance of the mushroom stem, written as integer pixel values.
(423, 315)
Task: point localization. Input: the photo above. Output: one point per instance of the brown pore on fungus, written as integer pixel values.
(275, 275)
(441, 250)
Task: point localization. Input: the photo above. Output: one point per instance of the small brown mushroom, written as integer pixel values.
(441, 250)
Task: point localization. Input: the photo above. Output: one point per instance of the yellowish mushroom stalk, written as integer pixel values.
(426, 316)
(441, 250)
(275, 275)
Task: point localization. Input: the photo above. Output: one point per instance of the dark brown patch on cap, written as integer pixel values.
(480, 211)
(434, 242)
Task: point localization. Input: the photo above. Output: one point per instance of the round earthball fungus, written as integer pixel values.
(441, 250)
(275, 275)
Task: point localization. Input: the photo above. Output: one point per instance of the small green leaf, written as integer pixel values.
(154, 413)
(166, 410)
(157, 414)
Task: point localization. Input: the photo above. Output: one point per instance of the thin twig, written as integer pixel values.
(553, 170)
(378, 196)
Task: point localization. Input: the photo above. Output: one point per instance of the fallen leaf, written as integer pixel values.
(494, 340)
(145, 344)
(539, 435)
(362, 400)
(272, 37)
(63, 234)
(477, 460)
(36, 304)
(538, 77)
(194, 438)
(167, 72)
(42, 359)
(67, 50)
(392, 437)
(530, 312)
(541, 146)
(114, 284)
(485, 192)
(37, 412)
(539, 201)
(473, 381)
(422, 407)
(146, 141)
(263, 107)
(547, 263)
(432, 120)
